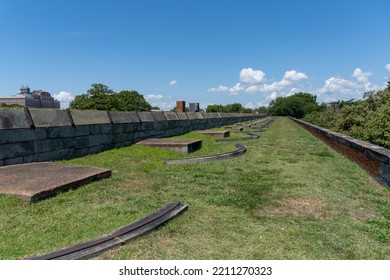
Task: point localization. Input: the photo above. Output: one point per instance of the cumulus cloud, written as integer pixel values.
(250, 76)
(232, 90)
(272, 96)
(173, 82)
(64, 97)
(165, 106)
(387, 67)
(336, 88)
(294, 76)
(154, 96)
(252, 81)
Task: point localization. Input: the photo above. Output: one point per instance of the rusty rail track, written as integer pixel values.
(241, 149)
(252, 136)
(94, 247)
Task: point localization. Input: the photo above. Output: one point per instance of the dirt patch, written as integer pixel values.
(298, 206)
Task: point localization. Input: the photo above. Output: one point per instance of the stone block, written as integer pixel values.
(379, 154)
(159, 116)
(83, 117)
(182, 115)
(60, 132)
(124, 117)
(191, 116)
(49, 117)
(96, 140)
(82, 130)
(47, 145)
(16, 150)
(199, 115)
(146, 116)
(14, 119)
(147, 126)
(106, 128)
(94, 129)
(171, 116)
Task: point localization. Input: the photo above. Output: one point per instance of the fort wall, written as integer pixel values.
(37, 135)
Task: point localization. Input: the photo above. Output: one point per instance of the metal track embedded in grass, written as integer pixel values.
(241, 149)
(94, 247)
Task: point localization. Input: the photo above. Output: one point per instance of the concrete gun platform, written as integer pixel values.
(35, 181)
(218, 133)
(184, 146)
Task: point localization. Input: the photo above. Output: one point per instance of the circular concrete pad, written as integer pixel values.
(35, 181)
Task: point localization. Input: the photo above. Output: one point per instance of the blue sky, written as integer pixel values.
(211, 52)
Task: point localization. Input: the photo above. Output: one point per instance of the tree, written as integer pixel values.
(101, 97)
(297, 105)
(214, 108)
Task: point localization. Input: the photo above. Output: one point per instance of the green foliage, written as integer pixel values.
(101, 97)
(297, 105)
(10, 106)
(367, 119)
(229, 108)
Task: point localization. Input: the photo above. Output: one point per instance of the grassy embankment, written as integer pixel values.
(289, 197)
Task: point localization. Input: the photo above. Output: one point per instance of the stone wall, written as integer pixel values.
(375, 159)
(36, 135)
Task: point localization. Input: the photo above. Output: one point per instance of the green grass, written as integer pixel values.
(289, 197)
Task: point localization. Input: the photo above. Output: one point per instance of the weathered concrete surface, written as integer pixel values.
(184, 146)
(218, 133)
(124, 117)
(36, 181)
(82, 117)
(49, 117)
(146, 116)
(171, 116)
(13, 119)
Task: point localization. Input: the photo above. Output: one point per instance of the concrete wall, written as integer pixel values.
(37, 135)
(374, 158)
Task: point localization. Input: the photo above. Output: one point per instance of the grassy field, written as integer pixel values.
(289, 197)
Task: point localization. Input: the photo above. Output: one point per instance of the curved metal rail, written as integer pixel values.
(94, 247)
(241, 149)
(252, 136)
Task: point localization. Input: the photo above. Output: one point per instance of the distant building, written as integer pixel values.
(31, 99)
(194, 107)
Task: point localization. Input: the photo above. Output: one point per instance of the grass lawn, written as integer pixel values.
(289, 197)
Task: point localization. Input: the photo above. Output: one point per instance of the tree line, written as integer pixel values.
(367, 119)
(101, 97)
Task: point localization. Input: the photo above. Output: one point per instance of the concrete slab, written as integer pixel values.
(171, 116)
(83, 117)
(35, 181)
(49, 117)
(238, 129)
(124, 117)
(159, 116)
(11, 119)
(184, 146)
(218, 133)
(146, 116)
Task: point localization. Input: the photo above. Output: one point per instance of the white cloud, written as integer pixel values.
(173, 82)
(294, 76)
(165, 106)
(250, 76)
(387, 67)
(154, 96)
(251, 105)
(337, 88)
(361, 76)
(232, 90)
(272, 96)
(64, 97)
(220, 88)
(252, 81)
